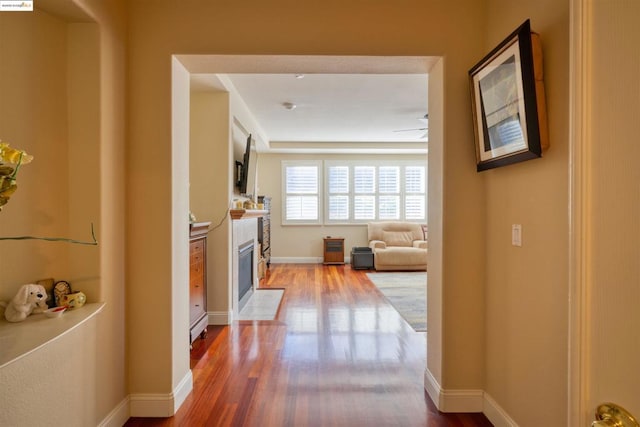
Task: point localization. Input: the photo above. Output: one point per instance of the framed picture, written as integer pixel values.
(508, 103)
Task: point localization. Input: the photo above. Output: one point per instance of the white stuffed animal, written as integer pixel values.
(29, 299)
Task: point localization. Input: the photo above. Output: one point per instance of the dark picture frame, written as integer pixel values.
(508, 102)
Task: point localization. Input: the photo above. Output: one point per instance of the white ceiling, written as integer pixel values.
(348, 104)
(336, 107)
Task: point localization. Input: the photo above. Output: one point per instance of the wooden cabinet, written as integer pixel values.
(198, 318)
(334, 250)
(264, 230)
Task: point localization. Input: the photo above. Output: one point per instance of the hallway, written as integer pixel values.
(338, 354)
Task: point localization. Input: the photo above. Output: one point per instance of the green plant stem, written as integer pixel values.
(56, 239)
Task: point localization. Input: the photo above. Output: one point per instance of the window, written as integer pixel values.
(356, 191)
(301, 198)
(377, 191)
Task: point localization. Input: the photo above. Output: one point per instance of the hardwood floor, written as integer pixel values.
(338, 354)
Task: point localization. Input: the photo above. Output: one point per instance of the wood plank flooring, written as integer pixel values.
(338, 354)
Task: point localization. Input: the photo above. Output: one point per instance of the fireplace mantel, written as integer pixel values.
(247, 213)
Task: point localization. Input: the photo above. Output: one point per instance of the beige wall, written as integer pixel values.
(83, 69)
(33, 117)
(518, 337)
(63, 102)
(526, 287)
(503, 327)
(413, 28)
(209, 154)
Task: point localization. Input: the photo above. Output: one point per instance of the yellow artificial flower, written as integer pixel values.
(8, 173)
(12, 155)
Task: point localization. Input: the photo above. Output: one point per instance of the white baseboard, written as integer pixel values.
(182, 390)
(297, 260)
(495, 414)
(466, 401)
(452, 400)
(161, 405)
(432, 387)
(220, 317)
(118, 416)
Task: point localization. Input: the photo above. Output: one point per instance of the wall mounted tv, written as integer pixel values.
(247, 169)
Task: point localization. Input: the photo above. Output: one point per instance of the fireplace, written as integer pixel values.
(245, 272)
(244, 263)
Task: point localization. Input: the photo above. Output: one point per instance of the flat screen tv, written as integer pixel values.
(247, 169)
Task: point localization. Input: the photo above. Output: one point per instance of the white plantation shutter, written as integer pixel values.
(302, 179)
(302, 192)
(414, 179)
(364, 207)
(389, 181)
(389, 189)
(364, 187)
(302, 208)
(338, 208)
(358, 192)
(364, 179)
(338, 189)
(414, 208)
(389, 207)
(415, 197)
(338, 179)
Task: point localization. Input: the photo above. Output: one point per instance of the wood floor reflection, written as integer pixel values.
(337, 354)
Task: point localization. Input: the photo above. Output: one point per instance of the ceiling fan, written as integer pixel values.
(424, 119)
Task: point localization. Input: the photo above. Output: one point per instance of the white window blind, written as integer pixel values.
(382, 191)
(364, 179)
(302, 192)
(364, 207)
(338, 189)
(364, 187)
(414, 201)
(389, 179)
(338, 208)
(389, 189)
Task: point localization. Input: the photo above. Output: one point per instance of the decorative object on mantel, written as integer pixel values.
(65, 297)
(508, 101)
(73, 300)
(55, 312)
(31, 298)
(57, 239)
(8, 174)
(60, 289)
(247, 213)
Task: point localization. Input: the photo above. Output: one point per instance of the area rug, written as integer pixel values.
(407, 293)
(263, 304)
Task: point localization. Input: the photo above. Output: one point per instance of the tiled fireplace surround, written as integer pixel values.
(244, 230)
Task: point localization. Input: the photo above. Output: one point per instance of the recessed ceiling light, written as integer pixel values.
(289, 105)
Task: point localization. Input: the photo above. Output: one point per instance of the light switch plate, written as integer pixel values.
(516, 234)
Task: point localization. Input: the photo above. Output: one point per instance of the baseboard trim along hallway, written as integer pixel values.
(466, 401)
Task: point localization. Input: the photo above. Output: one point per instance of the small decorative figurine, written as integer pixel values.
(30, 298)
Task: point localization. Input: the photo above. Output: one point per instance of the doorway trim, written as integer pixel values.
(580, 148)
